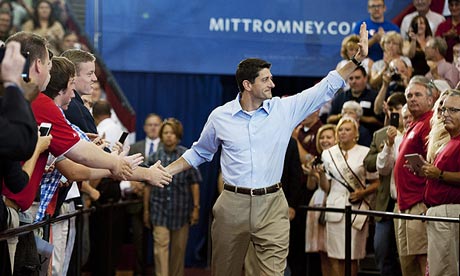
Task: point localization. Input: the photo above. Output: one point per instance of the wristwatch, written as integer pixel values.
(355, 61)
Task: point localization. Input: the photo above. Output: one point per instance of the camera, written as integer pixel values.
(317, 161)
(396, 77)
(25, 70)
(414, 27)
(394, 74)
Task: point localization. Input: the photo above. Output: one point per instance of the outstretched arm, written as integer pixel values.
(178, 166)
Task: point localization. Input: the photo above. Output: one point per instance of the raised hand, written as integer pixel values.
(363, 43)
(13, 63)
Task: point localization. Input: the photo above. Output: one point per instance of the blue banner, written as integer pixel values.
(300, 38)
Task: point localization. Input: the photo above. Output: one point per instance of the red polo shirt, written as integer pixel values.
(439, 192)
(411, 187)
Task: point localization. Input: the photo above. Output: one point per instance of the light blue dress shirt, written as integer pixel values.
(253, 147)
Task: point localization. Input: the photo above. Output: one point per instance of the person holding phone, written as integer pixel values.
(18, 135)
(385, 142)
(411, 235)
(442, 194)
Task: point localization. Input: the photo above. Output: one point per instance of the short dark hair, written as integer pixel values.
(32, 43)
(397, 98)
(249, 69)
(152, 115)
(61, 71)
(101, 108)
(361, 68)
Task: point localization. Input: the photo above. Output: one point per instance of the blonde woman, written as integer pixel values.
(392, 45)
(346, 182)
(438, 136)
(315, 239)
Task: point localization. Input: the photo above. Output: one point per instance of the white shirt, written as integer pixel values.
(148, 141)
(386, 161)
(433, 18)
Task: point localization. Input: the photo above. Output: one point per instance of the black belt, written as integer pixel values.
(253, 192)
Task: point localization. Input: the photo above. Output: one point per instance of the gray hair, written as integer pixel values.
(353, 106)
(423, 81)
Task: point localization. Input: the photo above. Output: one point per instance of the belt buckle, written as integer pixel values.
(252, 192)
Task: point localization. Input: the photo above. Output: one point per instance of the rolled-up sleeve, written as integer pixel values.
(204, 149)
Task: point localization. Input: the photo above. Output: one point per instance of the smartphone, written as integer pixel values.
(45, 129)
(394, 119)
(123, 137)
(25, 70)
(416, 161)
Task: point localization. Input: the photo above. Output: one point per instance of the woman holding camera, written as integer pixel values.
(392, 45)
(316, 229)
(414, 48)
(347, 182)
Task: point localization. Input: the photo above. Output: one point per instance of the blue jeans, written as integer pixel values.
(386, 252)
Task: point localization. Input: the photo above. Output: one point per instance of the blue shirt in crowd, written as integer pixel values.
(375, 51)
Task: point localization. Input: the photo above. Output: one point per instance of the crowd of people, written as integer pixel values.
(78, 152)
(401, 101)
(392, 99)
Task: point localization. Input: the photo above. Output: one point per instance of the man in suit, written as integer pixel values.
(134, 189)
(386, 254)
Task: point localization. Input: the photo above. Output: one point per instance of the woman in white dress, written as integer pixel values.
(345, 182)
(315, 239)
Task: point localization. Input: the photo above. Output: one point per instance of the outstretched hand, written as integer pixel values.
(158, 175)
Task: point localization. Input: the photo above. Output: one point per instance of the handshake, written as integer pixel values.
(128, 169)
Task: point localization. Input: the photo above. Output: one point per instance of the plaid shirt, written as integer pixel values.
(50, 180)
(172, 205)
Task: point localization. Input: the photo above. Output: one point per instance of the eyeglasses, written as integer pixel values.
(449, 110)
(375, 6)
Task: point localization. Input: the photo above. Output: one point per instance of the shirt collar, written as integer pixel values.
(236, 106)
(155, 141)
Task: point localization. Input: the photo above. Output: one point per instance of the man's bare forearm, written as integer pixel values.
(178, 166)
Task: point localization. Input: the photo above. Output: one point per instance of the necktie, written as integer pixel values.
(151, 148)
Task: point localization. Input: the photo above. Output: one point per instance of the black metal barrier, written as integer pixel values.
(348, 212)
(24, 229)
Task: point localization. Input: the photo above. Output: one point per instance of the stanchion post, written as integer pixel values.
(348, 240)
(78, 240)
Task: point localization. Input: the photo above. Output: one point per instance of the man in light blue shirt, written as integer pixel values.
(254, 131)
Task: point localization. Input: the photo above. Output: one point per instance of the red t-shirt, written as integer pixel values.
(439, 192)
(64, 138)
(411, 187)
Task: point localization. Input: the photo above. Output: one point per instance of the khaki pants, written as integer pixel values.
(13, 222)
(169, 250)
(239, 219)
(443, 241)
(411, 240)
